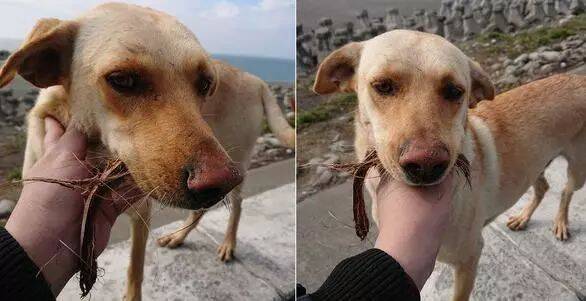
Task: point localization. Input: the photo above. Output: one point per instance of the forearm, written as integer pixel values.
(20, 278)
(371, 275)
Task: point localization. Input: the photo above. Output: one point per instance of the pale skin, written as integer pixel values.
(47, 219)
(412, 221)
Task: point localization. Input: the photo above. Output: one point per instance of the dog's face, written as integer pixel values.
(414, 90)
(136, 79)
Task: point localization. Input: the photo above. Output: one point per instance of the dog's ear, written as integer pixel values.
(44, 58)
(482, 87)
(335, 73)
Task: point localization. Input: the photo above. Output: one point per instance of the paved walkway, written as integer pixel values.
(263, 268)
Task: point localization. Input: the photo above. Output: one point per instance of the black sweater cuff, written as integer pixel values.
(371, 275)
(20, 278)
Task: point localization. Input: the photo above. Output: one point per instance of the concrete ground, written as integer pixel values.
(264, 265)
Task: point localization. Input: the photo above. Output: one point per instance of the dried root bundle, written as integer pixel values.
(104, 178)
(359, 172)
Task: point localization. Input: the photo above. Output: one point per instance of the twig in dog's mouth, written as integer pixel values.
(359, 172)
(108, 175)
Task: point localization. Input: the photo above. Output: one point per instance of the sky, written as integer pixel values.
(264, 28)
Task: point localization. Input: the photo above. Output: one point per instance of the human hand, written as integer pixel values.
(411, 224)
(47, 219)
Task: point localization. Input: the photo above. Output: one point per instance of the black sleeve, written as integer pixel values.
(19, 276)
(371, 275)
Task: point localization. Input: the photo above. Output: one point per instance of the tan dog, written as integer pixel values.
(415, 90)
(140, 86)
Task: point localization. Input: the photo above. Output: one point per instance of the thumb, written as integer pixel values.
(53, 131)
(73, 141)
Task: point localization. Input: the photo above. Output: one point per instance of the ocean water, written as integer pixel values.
(269, 69)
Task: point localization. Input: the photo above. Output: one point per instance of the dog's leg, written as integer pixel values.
(519, 222)
(139, 235)
(34, 143)
(576, 178)
(226, 249)
(176, 238)
(465, 273)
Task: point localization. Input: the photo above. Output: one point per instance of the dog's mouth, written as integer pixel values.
(439, 174)
(203, 200)
(360, 170)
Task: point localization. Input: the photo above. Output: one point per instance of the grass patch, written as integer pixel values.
(337, 105)
(530, 40)
(14, 174)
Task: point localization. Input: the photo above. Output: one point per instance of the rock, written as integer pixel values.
(509, 79)
(341, 147)
(546, 69)
(522, 59)
(324, 178)
(551, 56)
(533, 56)
(576, 7)
(565, 20)
(513, 70)
(4, 54)
(322, 168)
(273, 152)
(571, 43)
(531, 66)
(331, 158)
(268, 140)
(6, 207)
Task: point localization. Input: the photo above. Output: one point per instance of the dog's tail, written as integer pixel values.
(276, 120)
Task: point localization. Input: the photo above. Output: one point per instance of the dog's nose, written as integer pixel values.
(425, 165)
(208, 186)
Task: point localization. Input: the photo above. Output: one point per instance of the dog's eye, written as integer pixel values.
(452, 92)
(384, 87)
(124, 82)
(204, 84)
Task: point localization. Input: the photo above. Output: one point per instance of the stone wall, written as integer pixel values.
(456, 20)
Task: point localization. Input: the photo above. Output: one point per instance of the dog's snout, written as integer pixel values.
(424, 163)
(207, 186)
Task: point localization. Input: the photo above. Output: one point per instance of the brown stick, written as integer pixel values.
(359, 172)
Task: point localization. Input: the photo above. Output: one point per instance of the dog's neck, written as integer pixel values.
(479, 148)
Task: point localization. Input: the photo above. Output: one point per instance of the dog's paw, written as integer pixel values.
(560, 229)
(518, 222)
(171, 241)
(226, 251)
